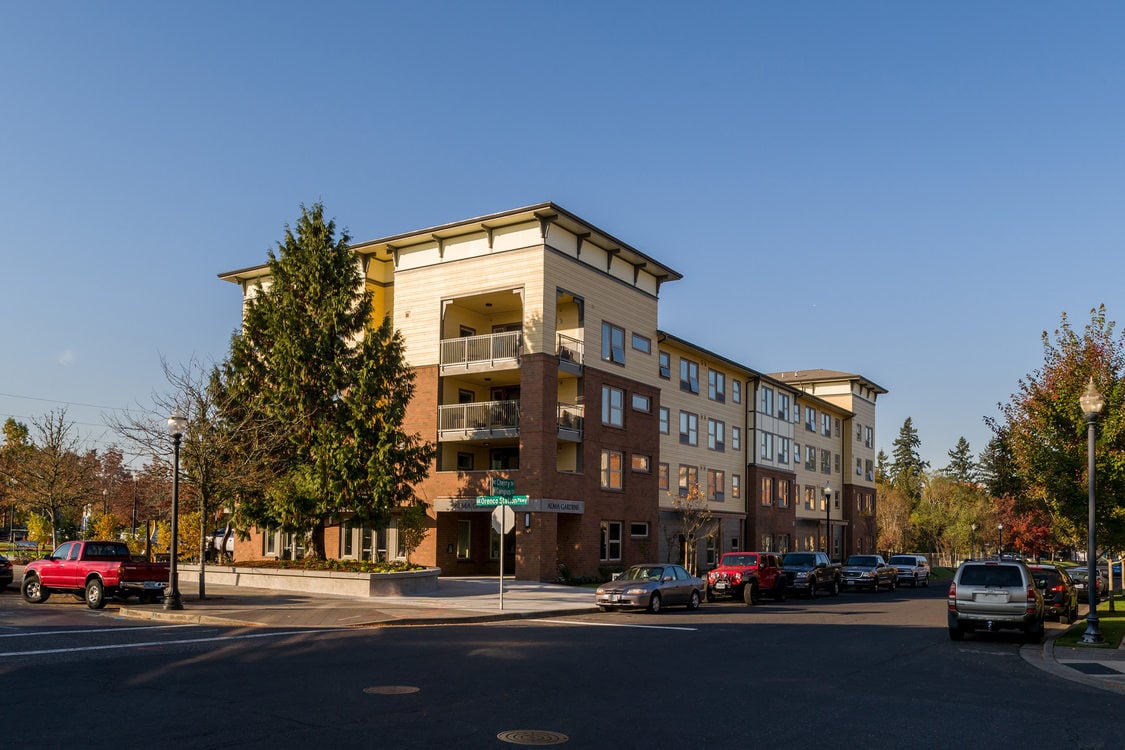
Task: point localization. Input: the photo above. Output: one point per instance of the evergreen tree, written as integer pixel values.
(908, 469)
(882, 469)
(332, 388)
(997, 466)
(962, 466)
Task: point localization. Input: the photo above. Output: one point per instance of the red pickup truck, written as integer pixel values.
(93, 570)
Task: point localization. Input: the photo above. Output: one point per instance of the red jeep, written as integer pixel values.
(746, 576)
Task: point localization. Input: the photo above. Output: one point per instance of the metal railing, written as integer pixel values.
(479, 416)
(571, 349)
(571, 416)
(488, 348)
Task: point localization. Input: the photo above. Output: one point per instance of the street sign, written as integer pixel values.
(485, 501)
(505, 487)
(503, 519)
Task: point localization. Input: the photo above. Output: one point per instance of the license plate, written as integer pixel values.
(721, 585)
(615, 597)
(990, 596)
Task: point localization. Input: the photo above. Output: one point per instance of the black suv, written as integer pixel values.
(1060, 595)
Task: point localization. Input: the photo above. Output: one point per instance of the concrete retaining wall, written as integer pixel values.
(317, 581)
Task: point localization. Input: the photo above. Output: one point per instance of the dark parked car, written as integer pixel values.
(5, 572)
(1060, 597)
(1080, 576)
(869, 572)
(809, 572)
(651, 587)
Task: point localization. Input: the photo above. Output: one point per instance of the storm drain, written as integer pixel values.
(391, 690)
(1092, 667)
(532, 737)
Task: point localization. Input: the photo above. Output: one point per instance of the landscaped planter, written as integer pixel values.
(316, 581)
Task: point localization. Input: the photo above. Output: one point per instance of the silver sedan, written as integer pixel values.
(651, 587)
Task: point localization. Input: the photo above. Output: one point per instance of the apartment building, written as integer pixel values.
(540, 372)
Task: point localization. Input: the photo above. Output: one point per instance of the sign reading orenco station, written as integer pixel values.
(503, 493)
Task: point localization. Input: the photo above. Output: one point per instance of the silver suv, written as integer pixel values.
(995, 595)
(912, 570)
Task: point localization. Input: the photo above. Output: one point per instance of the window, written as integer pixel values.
(826, 424)
(765, 400)
(613, 463)
(716, 435)
(859, 467)
(767, 491)
(611, 541)
(710, 554)
(810, 497)
(735, 488)
(765, 545)
(836, 463)
(837, 423)
(689, 428)
(797, 453)
(783, 406)
(783, 450)
(736, 438)
(716, 485)
(858, 432)
(810, 419)
(662, 476)
(664, 417)
(642, 403)
(783, 543)
(666, 368)
(642, 343)
(766, 452)
(641, 464)
(868, 437)
(613, 406)
(810, 458)
(689, 375)
(783, 486)
(823, 502)
(464, 461)
(825, 461)
(613, 343)
(716, 386)
(271, 542)
(638, 529)
(736, 391)
(464, 534)
(869, 471)
(689, 477)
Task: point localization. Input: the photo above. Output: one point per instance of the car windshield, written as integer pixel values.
(902, 561)
(864, 560)
(740, 559)
(799, 558)
(642, 573)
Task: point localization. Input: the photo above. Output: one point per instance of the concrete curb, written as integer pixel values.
(1043, 657)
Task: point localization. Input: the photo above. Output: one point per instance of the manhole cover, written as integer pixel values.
(391, 689)
(532, 737)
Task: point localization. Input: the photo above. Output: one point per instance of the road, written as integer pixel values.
(859, 670)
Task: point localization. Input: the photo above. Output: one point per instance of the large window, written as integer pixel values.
(689, 428)
(810, 497)
(716, 435)
(613, 406)
(662, 476)
(613, 343)
(736, 438)
(810, 458)
(783, 406)
(664, 419)
(783, 450)
(765, 452)
(689, 375)
(826, 424)
(736, 391)
(765, 400)
(767, 491)
(689, 477)
(716, 485)
(613, 463)
(716, 386)
(611, 541)
(825, 461)
(810, 419)
(783, 486)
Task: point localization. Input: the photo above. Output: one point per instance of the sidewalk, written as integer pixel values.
(1102, 668)
(457, 600)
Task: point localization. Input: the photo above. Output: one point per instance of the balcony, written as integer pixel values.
(489, 351)
(481, 420)
(570, 418)
(571, 352)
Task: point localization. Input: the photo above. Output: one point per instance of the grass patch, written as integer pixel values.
(1111, 625)
(348, 566)
(942, 573)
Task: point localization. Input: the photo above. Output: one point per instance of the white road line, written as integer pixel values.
(610, 625)
(169, 643)
(92, 630)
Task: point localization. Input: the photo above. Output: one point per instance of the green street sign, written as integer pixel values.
(506, 487)
(485, 501)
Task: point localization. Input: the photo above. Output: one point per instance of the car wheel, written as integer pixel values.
(654, 602)
(32, 591)
(894, 584)
(914, 582)
(811, 593)
(926, 581)
(779, 593)
(95, 594)
(694, 601)
(750, 593)
(835, 588)
(956, 634)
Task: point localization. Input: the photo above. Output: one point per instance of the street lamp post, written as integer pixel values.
(177, 424)
(972, 541)
(1000, 532)
(134, 531)
(105, 502)
(828, 519)
(1092, 405)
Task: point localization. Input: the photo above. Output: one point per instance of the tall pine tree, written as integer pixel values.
(333, 387)
(962, 466)
(906, 473)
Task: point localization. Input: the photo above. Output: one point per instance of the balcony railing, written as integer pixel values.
(571, 417)
(487, 350)
(481, 419)
(570, 349)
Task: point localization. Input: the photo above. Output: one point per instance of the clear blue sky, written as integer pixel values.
(909, 191)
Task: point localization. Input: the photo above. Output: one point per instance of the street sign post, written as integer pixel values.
(503, 517)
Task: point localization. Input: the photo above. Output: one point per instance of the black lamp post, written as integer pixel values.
(972, 541)
(134, 531)
(1092, 405)
(1000, 532)
(177, 424)
(828, 519)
